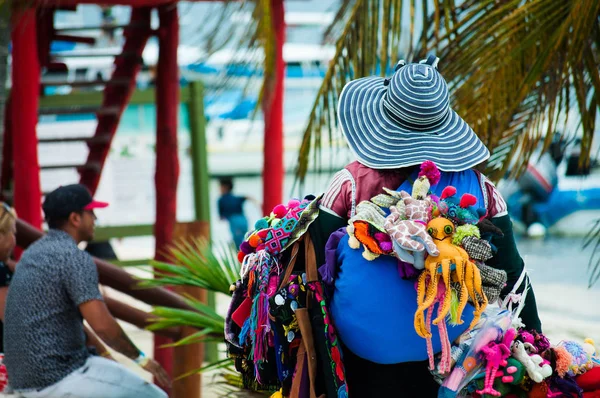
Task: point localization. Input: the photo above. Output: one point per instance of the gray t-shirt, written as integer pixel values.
(44, 339)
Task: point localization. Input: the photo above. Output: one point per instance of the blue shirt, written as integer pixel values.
(231, 205)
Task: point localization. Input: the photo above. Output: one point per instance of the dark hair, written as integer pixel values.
(59, 222)
(227, 182)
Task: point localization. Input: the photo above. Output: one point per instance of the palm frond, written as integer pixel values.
(513, 68)
(171, 317)
(196, 263)
(369, 42)
(592, 239)
(246, 27)
(518, 70)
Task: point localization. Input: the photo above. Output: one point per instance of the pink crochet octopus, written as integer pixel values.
(496, 355)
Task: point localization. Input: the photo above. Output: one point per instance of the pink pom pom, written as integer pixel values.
(386, 246)
(292, 204)
(263, 234)
(381, 237)
(507, 379)
(467, 200)
(279, 211)
(527, 337)
(430, 170)
(448, 191)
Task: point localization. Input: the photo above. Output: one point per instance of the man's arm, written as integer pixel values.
(106, 327)
(93, 341)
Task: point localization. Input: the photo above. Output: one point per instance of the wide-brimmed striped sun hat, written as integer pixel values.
(406, 120)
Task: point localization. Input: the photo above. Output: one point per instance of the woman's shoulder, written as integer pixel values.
(495, 203)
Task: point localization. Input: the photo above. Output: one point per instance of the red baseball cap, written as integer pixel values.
(95, 204)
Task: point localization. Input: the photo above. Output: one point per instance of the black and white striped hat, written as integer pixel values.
(406, 120)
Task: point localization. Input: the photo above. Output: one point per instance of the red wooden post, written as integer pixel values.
(167, 163)
(273, 171)
(24, 109)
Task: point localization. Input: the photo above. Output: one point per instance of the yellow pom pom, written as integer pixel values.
(278, 394)
(369, 256)
(353, 242)
(589, 341)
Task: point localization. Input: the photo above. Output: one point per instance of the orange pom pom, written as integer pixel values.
(254, 240)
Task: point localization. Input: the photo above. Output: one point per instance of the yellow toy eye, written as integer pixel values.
(448, 230)
(430, 231)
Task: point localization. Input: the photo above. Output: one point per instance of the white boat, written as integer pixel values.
(571, 208)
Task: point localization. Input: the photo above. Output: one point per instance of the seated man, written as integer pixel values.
(54, 288)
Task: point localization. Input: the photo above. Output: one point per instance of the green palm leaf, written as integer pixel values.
(593, 240)
(369, 36)
(196, 263)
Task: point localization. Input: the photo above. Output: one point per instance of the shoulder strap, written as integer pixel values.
(310, 257)
(290, 266)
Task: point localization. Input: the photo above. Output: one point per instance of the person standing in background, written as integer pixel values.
(231, 208)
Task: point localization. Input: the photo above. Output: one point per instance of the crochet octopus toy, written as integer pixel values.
(451, 265)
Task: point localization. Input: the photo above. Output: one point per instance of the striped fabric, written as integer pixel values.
(406, 120)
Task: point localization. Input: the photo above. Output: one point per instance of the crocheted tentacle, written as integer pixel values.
(430, 353)
(445, 363)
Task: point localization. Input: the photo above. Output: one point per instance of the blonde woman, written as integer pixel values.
(8, 229)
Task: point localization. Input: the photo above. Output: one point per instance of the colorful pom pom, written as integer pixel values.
(292, 204)
(246, 247)
(279, 211)
(448, 191)
(386, 246)
(430, 170)
(261, 224)
(241, 256)
(254, 241)
(563, 360)
(463, 231)
(263, 233)
(467, 200)
(381, 237)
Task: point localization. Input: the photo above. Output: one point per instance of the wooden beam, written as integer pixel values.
(132, 3)
(189, 357)
(111, 275)
(138, 318)
(94, 98)
(167, 162)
